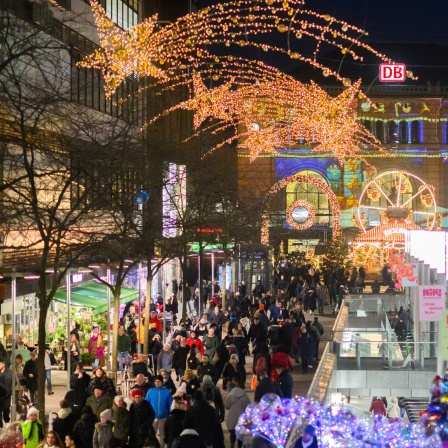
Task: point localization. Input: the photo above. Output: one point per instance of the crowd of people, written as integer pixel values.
(188, 387)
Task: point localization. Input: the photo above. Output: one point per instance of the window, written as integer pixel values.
(310, 193)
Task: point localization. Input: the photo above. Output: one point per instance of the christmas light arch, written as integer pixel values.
(334, 205)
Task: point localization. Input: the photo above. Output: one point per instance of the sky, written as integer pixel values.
(389, 22)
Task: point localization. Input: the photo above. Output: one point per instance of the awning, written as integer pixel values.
(390, 232)
(93, 295)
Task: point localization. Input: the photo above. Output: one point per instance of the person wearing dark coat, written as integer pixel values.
(65, 420)
(84, 428)
(77, 397)
(284, 381)
(202, 417)
(189, 438)
(285, 333)
(174, 424)
(5, 391)
(142, 417)
(257, 335)
(240, 342)
(266, 386)
(308, 438)
(224, 357)
(30, 374)
(79, 375)
(207, 368)
(305, 342)
(180, 358)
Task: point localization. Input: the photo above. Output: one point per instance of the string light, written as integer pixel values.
(146, 50)
(280, 421)
(311, 214)
(334, 205)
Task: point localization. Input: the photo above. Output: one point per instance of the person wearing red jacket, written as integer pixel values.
(280, 358)
(153, 319)
(378, 407)
(194, 340)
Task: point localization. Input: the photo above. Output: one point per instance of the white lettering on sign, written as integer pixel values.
(394, 230)
(392, 72)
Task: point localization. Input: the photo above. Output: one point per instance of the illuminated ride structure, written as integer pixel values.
(390, 205)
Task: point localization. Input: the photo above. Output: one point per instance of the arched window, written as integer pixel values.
(393, 132)
(379, 131)
(415, 132)
(403, 132)
(310, 193)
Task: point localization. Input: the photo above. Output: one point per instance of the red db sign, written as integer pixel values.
(392, 72)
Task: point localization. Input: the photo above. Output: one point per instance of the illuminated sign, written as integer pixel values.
(300, 214)
(392, 72)
(208, 230)
(395, 230)
(194, 247)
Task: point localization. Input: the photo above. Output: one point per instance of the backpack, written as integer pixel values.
(261, 365)
(193, 362)
(52, 358)
(209, 393)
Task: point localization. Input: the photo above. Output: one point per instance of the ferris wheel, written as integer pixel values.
(397, 195)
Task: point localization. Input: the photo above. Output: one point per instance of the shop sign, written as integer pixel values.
(394, 230)
(431, 302)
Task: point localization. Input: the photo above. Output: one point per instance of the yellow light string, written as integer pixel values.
(332, 199)
(145, 50)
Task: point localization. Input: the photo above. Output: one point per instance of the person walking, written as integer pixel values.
(47, 364)
(175, 422)
(236, 404)
(123, 348)
(121, 420)
(305, 343)
(160, 399)
(5, 391)
(30, 374)
(202, 418)
(32, 429)
(393, 410)
(52, 440)
(85, 427)
(266, 386)
(99, 401)
(378, 407)
(104, 430)
(65, 420)
(142, 418)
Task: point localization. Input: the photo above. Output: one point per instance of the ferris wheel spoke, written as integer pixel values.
(399, 189)
(409, 200)
(423, 213)
(371, 207)
(384, 194)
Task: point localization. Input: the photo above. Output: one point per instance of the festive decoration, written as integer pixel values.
(281, 421)
(300, 222)
(402, 268)
(435, 417)
(334, 205)
(146, 50)
(337, 254)
(387, 190)
(278, 113)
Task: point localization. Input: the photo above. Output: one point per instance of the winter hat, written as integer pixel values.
(136, 393)
(32, 411)
(158, 378)
(107, 414)
(310, 430)
(97, 384)
(235, 357)
(182, 388)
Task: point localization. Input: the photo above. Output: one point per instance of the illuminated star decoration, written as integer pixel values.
(279, 113)
(145, 50)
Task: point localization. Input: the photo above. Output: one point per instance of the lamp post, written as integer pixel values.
(68, 284)
(13, 345)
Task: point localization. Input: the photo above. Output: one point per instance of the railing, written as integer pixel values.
(321, 380)
(354, 354)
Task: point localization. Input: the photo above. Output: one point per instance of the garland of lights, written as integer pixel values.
(334, 205)
(281, 421)
(148, 51)
(309, 221)
(279, 113)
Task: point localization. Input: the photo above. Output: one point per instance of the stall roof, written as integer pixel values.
(93, 295)
(392, 231)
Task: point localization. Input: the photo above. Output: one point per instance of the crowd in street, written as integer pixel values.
(175, 399)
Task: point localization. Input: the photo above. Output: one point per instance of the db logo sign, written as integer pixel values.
(392, 72)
